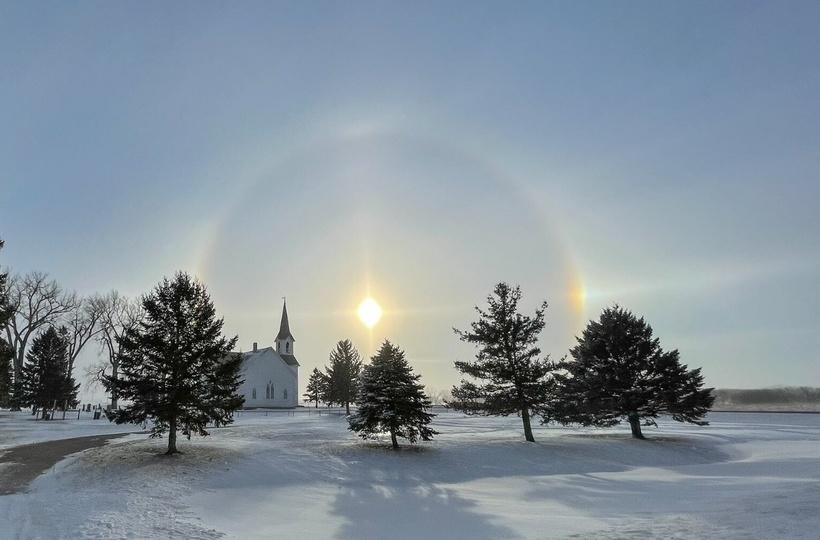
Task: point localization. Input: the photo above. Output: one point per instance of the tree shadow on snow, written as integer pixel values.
(410, 508)
(404, 494)
(571, 454)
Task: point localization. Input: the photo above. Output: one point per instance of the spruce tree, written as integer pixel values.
(6, 310)
(6, 352)
(390, 399)
(343, 374)
(18, 392)
(70, 388)
(619, 371)
(5, 374)
(316, 387)
(176, 367)
(513, 378)
(45, 379)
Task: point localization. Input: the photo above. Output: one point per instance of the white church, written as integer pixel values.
(271, 375)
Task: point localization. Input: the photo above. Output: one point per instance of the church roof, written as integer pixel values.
(289, 359)
(284, 327)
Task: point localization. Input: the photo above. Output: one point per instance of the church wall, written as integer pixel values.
(261, 369)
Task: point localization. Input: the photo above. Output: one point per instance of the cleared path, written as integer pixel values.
(20, 465)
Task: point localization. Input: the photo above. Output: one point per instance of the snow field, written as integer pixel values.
(744, 476)
(18, 428)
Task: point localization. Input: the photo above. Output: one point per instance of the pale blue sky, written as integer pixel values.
(661, 155)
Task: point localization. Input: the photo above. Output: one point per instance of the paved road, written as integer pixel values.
(31, 460)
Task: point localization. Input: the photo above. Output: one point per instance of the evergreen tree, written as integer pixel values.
(18, 393)
(71, 387)
(6, 352)
(45, 379)
(316, 389)
(6, 310)
(391, 399)
(620, 371)
(176, 367)
(6, 356)
(343, 374)
(514, 380)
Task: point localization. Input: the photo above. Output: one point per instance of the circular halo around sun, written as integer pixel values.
(369, 312)
(373, 176)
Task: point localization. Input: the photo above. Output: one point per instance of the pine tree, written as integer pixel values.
(71, 387)
(6, 352)
(45, 379)
(176, 367)
(316, 387)
(391, 399)
(6, 310)
(514, 379)
(6, 356)
(619, 371)
(343, 374)
(18, 392)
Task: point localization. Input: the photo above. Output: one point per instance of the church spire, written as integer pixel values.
(284, 340)
(284, 327)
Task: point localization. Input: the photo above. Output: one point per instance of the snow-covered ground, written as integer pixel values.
(18, 428)
(744, 476)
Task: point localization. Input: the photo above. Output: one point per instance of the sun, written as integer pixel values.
(369, 312)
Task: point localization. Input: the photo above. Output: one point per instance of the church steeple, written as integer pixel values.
(284, 340)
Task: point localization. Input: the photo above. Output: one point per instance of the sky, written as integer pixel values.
(659, 155)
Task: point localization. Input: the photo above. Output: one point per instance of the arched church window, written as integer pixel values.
(253, 394)
(287, 347)
(267, 391)
(285, 393)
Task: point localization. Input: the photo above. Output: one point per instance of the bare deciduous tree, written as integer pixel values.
(118, 314)
(82, 324)
(37, 301)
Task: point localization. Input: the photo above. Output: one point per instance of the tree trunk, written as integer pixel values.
(393, 439)
(347, 407)
(172, 438)
(114, 375)
(317, 404)
(635, 425)
(525, 417)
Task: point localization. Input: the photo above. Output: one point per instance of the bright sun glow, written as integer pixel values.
(369, 312)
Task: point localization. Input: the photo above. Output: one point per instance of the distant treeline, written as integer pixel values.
(796, 397)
